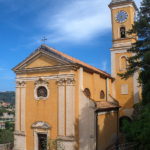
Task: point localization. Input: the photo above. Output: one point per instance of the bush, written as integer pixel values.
(138, 130)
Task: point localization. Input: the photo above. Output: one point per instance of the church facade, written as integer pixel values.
(64, 100)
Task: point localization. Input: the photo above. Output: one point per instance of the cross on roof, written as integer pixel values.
(44, 39)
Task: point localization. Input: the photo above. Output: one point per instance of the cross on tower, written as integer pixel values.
(44, 39)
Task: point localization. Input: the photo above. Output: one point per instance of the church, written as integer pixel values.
(64, 100)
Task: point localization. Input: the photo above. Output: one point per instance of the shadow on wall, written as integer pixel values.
(88, 132)
(86, 125)
(107, 130)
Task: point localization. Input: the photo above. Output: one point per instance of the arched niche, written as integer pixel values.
(123, 62)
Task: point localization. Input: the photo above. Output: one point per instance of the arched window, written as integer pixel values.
(87, 92)
(102, 95)
(122, 32)
(41, 91)
(123, 63)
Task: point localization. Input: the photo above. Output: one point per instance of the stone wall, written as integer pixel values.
(8, 146)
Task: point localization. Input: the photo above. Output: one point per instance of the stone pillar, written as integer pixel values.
(19, 134)
(23, 105)
(70, 107)
(17, 106)
(61, 107)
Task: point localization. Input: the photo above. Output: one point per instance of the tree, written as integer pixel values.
(141, 60)
(138, 130)
(6, 136)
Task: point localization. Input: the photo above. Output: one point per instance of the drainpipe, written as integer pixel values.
(107, 88)
(117, 140)
(96, 114)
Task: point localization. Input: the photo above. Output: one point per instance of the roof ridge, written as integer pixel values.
(75, 60)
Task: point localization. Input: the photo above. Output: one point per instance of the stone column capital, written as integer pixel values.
(20, 84)
(70, 81)
(61, 82)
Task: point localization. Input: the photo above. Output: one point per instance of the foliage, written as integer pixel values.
(2, 110)
(139, 130)
(6, 136)
(8, 96)
(54, 144)
(9, 126)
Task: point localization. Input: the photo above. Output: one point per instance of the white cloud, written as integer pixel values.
(79, 20)
(104, 65)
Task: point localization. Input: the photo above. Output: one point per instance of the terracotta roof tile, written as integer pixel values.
(106, 105)
(77, 61)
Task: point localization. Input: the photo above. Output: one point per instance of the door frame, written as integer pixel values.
(36, 132)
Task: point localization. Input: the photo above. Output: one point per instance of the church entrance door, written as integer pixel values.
(42, 141)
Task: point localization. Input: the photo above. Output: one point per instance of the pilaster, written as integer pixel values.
(19, 134)
(70, 112)
(61, 107)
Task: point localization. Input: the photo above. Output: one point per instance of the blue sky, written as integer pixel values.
(80, 28)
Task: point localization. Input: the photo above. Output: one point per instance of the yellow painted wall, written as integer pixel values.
(128, 24)
(125, 100)
(41, 110)
(107, 130)
(42, 61)
(95, 83)
(46, 110)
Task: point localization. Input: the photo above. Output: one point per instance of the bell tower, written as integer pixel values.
(123, 13)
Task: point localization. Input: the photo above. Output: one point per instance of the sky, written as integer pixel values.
(79, 28)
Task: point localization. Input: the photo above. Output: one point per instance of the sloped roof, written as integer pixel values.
(116, 1)
(46, 48)
(106, 105)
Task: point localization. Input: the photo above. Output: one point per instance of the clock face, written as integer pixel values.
(121, 16)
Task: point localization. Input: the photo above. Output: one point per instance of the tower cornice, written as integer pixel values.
(116, 3)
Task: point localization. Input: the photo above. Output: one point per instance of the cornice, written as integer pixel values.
(122, 3)
(46, 69)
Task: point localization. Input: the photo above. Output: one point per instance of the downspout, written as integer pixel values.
(117, 140)
(107, 88)
(96, 114)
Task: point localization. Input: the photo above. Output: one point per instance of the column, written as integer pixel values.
(23, 105)
(19, 135)
(17, 107)
(70, 107)
(61, 107)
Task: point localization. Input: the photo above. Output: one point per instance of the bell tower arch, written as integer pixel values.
(123, 13)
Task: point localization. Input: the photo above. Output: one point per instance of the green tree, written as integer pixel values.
(9, 126)
(6, 136)
(138, 130)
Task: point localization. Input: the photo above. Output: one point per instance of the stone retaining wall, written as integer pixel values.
(8, 146)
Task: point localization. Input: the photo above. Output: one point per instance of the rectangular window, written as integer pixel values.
(124, 89)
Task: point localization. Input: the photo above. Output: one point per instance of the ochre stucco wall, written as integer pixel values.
(126, 101)
(107, 129)
(47, 110)
(95, 83)
(128, 24)
(42, 110)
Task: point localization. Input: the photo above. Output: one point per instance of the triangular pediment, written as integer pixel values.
(43, 58)
(43, 61)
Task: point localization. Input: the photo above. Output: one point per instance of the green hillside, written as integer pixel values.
(8, 96)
